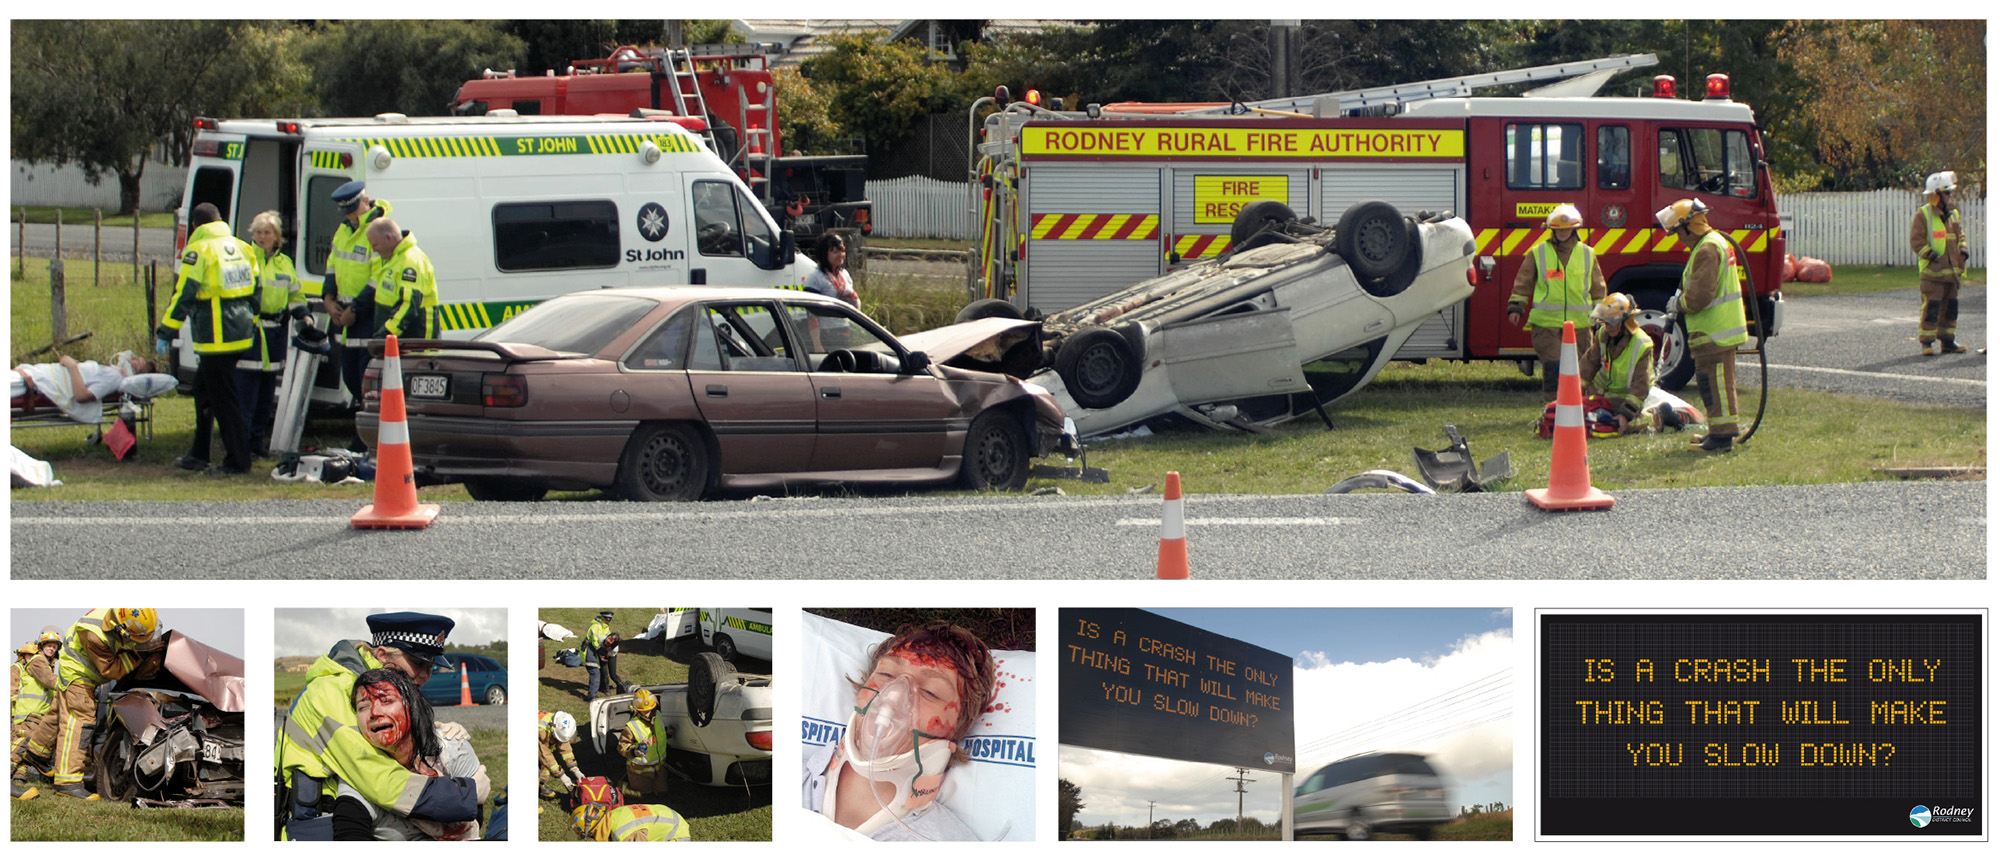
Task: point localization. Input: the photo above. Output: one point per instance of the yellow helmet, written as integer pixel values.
(644, 701)
(587, 820)
(1674, 216)
(27, 649)
(1616, 309)
(136, 624)
(1564, 216)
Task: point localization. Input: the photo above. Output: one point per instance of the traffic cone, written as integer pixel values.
(1569, 464)
(464, 686)
(395, 479)
(1173, 532)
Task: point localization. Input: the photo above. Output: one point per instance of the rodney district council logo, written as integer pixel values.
(653, 222)
(1920, 816)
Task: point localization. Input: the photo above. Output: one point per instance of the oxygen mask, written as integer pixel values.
(883, 742)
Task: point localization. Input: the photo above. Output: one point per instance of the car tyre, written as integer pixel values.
(725, 647)
(705, 672)
(1372, 237)
(664, 462)
(1098, 367)
(116, 778)
(1406, 275)
(1673, 365)
(996, 454)
(503, 489)
(495, 696)
(1424, 832)
(1258, 224)
(985, 308)
(1359, 831)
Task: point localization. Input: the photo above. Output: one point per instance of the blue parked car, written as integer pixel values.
(489, 680)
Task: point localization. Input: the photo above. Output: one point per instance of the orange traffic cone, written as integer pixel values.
(1173, 532)
(395, 479)
(1569, 465)
(464, 686)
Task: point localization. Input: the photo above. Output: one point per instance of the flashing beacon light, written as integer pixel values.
(1034, 97)
(288, 127)
(1001, 96)
(1718, 87)
(204, 123)
(1663, 86)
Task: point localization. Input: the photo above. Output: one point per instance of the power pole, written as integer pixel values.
(1240, 779)
(1149, 819)
(1283, 43)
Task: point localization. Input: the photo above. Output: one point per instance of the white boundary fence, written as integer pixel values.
(1868, 228)
(917, 206)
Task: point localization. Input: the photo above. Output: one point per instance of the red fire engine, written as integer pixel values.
(1076, 205)
(730, 89)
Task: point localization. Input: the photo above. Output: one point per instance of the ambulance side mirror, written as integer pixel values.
(788, 249)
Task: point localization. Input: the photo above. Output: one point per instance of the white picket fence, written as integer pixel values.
(1868, 228)
(36, 184)
(920, 207)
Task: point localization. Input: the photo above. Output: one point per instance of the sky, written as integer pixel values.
(221, 628)
(312, 631)
(1437, 681)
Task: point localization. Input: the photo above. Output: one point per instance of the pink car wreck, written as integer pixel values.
(175, 740)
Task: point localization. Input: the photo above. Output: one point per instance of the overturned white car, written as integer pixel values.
(717, 725)
(1225, 340)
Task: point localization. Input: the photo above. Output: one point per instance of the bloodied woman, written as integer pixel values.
(396, 718)
(924, 688)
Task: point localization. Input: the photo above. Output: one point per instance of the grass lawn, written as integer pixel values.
(50, 818)
(46, 215)
(713, 813)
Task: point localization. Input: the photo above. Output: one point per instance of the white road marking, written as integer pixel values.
(1199, 523)
(1873, 375)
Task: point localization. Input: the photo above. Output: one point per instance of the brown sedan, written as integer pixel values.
(664, 394)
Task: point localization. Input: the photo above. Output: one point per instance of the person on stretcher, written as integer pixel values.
(81, 388)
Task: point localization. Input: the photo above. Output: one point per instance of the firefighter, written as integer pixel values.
(553, 737)
(1561, 284)
(1620, 366)
(347, 268)
(641, 745)
(321, 745)
(104, 645)
(280, 298)
(1711, 302)
(32, 688)
(594, 638)
(1938, 237)
(402, 285)
(628, 823)
(217, 292)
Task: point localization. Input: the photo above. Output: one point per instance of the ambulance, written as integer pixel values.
(511, 209)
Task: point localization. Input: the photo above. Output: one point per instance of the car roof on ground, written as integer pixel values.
(681, 294)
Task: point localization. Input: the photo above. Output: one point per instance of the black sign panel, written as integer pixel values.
(1137, 682)
(1761, 724)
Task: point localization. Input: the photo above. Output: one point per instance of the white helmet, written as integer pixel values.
(1946, 181)
(1677, 214)
(1563, 216)
(564, 727)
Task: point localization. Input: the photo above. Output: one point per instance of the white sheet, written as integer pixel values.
(994, 793)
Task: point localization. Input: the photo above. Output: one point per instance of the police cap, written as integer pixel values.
(347, 196)
(604, 614)
(423, 634)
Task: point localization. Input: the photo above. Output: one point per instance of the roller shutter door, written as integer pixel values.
(1094, 228)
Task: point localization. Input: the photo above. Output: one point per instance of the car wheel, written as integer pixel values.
(1373, 239)
(1359, 831)
(985, 308)
(116, 778)
(1424, 832)
(725, 647)
(664, 462)
(496, 695)
(1098, 367)
(1673, 365)
(705, 672)
(1259, 218)
(503, 489)
(996, 453)
(1399, 281)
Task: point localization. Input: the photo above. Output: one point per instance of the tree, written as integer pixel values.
(1893, 101)
(1069, 802)
(365, 67)
(104, 94)
(880, 88)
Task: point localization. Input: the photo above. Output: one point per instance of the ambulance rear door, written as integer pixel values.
(324, 165)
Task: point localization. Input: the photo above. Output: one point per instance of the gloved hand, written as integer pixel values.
(1674, 307)
(481, 784)
(452, 730)
(161, 347)
(300, 311)
(574, 776)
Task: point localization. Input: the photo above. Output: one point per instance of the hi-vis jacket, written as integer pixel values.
(278, 289)
(594, 637)
(31, 682)
(321, 737)
(1938, 240)
(406, 297)
(217, 292)
(645, 734)
(642, 823)
(91, 654)
(1626, 375)
(348, 260)
(556, 756)
(1560, 290)
(1711, 295)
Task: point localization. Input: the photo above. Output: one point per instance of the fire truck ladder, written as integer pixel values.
(1592, 72)
(688, 100)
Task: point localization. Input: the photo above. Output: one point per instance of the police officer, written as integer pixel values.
(1560, 282)
(104, 645)
(403, 286)
(595, 636)
(321, 745)
(217, 291)
(629, 823)
(1711, 301)
(347, 272)
(280, 298)
(1938, 238)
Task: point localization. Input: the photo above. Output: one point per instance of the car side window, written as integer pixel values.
(745, 338)
(665, 349)
(838, 343)
(718, 226)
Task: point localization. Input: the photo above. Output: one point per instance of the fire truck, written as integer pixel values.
(727, 87)
(1074, 205)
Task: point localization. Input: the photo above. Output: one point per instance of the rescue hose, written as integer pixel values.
(1749, 292)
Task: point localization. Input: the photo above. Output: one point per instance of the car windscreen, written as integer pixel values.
(574, 324)
(1403, 763)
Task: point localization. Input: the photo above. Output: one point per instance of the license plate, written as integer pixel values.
(805, 220)
(430, 385)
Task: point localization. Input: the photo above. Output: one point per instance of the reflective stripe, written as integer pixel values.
(299, 736)
(1172, 524)
(328, 727)
(413, 789)
(1569, 416)
(1561, 307)
(638, 823)
(75, 664)
(394, 433)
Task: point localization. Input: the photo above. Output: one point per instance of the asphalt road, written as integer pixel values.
(1866, 344)
(1863, 530)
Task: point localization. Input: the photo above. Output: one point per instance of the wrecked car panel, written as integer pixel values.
(215, 675)
(175, 740)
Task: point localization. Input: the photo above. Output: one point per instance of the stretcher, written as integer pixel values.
(133, 401)
(295, 385)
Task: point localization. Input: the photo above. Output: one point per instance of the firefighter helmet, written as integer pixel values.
(27, 649)
(49, 635)
(1616, 309)
(1945, 182)
(136, 624)
(587, 819)
(563, 725)
(1564, 216)
(1673, 216)
(643, 701)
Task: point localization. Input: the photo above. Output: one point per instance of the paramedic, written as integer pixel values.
(217, 295)
(278, 292)
(403, 287)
